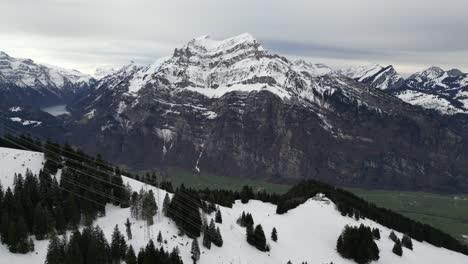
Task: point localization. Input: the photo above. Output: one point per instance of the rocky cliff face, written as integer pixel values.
(232, 108)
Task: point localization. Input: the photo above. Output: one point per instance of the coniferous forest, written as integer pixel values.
(41, 206)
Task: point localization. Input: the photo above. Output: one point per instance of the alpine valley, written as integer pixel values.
(232, 108)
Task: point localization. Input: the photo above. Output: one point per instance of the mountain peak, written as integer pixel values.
(3, 55)
(207, 44)
(454, 72)
(433, 72)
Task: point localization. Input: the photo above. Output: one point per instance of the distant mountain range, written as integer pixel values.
(231, 107)
(24, 82)
(433, 88)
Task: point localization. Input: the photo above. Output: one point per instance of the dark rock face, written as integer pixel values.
(258, 135)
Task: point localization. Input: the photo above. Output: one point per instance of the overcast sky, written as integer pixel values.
(85, 34)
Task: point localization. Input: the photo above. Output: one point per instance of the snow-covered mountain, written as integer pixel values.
(26, 82)
(233, 108)
(375, 76)
(433, 88)
(307, 233)
(100, 73)
(446, 91)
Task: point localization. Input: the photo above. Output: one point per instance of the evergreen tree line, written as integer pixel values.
(143, 206)
(91, 247)
(254, 236)
(399, 244)
(22, 214)
(38, 205)
(211, 234)
(184, 209)
(357, 243)
(348, 204)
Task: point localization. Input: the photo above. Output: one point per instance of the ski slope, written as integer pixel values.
(307, 233)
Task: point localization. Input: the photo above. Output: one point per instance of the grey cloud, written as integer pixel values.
(87, 33)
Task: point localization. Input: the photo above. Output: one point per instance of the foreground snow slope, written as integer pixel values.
(18, 161)
(307, 233)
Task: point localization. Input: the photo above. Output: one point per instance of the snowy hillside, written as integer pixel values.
(18, 161)
(428, 100)
(307, 233)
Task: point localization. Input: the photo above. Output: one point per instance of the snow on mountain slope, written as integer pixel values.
(374, 75)
(18, 161)
(307, 233)
(432, 88)
(430, 101)
(26, 73)
(216, 67)
(100, 73)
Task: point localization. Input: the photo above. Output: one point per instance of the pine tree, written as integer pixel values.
(393, 237)
(357, 244)
(166, 203)
(260, 240)
(206, 237)
(20, 242)
(218, 217)
(218, 239)
(160, 238)
(274, 235)
(135, 205)
(184, 209)
(376, 233)
(98, 249)
(118, 246)
(41, 222)
(406, 242)
(397, 248)
(130, 257)
(149, 207)
(55, 251)
(73, 254)
(4, 227)
(128, 228)
(71, 212)
(250, 235)
(195, 251)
